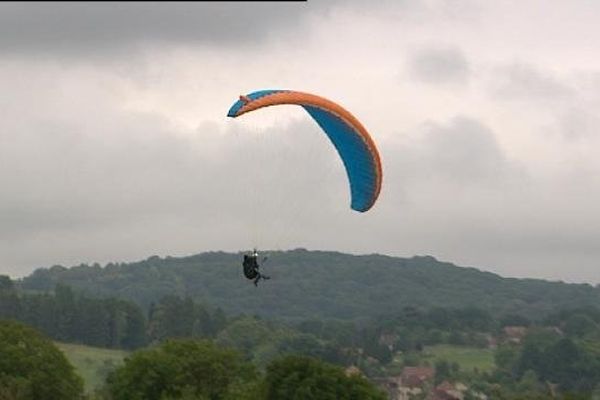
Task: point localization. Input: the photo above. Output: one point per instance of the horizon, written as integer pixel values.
(271, 251)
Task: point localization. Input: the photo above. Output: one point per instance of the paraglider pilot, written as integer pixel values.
(251, 268)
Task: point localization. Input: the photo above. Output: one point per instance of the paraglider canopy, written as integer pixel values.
(351, 140)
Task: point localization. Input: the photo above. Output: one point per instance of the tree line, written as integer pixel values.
(70, 316)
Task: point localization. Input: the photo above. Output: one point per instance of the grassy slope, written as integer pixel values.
(92, 363)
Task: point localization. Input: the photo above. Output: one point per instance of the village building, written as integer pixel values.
(416, 376)
(515, 334)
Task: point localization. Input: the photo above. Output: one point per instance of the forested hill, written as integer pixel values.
(317, 284)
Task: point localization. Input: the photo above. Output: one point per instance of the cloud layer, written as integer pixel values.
(89, 27)
(444, 65)
(114, 143)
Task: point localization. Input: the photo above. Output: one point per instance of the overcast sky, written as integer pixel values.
(115, 145)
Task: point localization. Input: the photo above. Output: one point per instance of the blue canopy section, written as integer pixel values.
(355, 155)
(252, 96)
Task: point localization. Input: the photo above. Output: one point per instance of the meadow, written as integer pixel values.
(92, 363)
(468, 358)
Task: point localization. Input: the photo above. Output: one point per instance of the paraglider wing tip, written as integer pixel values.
(233, 111)
(243, 100)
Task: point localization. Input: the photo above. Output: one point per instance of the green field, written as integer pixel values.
(468, 358)
(92, 363)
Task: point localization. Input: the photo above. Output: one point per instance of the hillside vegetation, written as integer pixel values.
(318, 284)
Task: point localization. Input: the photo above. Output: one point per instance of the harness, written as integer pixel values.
(250, 267)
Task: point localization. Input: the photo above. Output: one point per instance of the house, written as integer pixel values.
(447, 391)
(416, 376)
(515, 334)
(394, 389)
(412, 382)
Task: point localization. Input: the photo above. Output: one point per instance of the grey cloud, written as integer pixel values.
(91, 28)
(440, 65)
(452, 192)
(463, 150)
(521, 81)
(578, 124)
(449, 180)
(94, 29)
(57, 176)
(459, 159)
